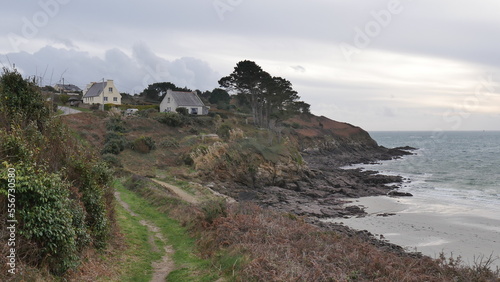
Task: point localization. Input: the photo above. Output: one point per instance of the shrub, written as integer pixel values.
(146, 113)
(224, 131)
(187, 160)
(94, 185)
(108, 107)
(63, 98)
(45, 215)
(63, 199)
(114, 144)
(20, 100)
(112, 160)
(116, 124)
(182, 111)
(111, 148)
(143, 145)
(172, 119)
(213, 210)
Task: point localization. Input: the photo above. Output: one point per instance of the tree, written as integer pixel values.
(247, 79)
(270, 98)
(219, 96)
(21, 99)
(280, 96)
(156, 91)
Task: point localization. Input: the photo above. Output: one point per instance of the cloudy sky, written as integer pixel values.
(378, 64)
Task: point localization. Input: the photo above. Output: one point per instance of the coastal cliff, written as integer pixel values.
(307, 177)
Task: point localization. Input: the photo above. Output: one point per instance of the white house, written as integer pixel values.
(178, 99)
(102, 93)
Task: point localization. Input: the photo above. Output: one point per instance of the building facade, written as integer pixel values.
(102, 93)
(179, 99)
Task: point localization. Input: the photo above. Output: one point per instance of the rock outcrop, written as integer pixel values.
(317, 185)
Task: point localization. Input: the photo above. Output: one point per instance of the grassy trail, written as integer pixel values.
(159, 248)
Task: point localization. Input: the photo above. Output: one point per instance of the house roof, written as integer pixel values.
(95, 90)
(68, 87)
(187, 99)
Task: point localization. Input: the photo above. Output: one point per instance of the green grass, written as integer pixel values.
(137, 266)
(188, 266)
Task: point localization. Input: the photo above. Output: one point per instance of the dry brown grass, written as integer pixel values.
(281, 248)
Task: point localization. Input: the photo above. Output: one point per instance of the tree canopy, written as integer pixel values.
(269, 97)
(156, 91)
(219, 96)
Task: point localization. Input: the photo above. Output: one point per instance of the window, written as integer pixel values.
(168, 100)
(110, 89)
(169, 109)
(105, 99)
(115, 99)
(194, 111)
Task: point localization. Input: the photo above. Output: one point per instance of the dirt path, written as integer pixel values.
(68, 110)
(165, 265)
(179, 192)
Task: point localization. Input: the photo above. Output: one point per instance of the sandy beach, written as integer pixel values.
(431, 227)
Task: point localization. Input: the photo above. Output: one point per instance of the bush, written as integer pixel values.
(45, 215)
(114, 144)
(64, 203)
(213, 210)
(187, 160)
(21, 100)
(172, 119)
(112, 160)
(94, 179)
(143, 145)
(224, 131)
(116, 124)
(182, 111)
(146, 113)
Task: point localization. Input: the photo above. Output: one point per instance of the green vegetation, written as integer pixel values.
(160, 209)
(64, 98)
(270, 98)
(62, 196)
(143, 145)
(156, 91)
(172, 119)
(155, 108)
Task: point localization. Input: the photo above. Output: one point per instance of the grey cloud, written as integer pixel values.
(298, 68)
(131, 74)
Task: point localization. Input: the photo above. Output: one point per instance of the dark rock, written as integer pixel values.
(386, 214)
(247, 196)
(399, 194)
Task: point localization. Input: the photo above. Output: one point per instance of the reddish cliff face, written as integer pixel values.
(314, 126)
(323, 133)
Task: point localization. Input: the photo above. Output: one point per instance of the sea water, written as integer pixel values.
(460, 169)
(455, 210)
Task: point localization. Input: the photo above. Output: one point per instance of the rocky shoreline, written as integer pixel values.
(326, 186)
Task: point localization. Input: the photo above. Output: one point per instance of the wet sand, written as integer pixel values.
(431, 227)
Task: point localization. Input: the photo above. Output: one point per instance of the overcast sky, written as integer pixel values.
(378, 64)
